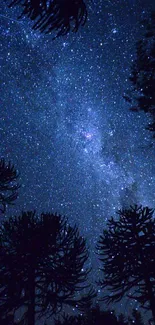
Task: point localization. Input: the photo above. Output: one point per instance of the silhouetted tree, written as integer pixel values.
(127, 253)
(96, 316)
(41, 266)
(70, 320)
(8, 184)
(93, 317)
(8, 320)
(61, 16)
(142, 94)
(122, 320)
(136, 318)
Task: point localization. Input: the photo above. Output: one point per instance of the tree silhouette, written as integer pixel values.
(41, 266)
(61, 16)
(70, 320)
(142, 94)
(122, 319)
(8, 184)
(94, 316)
(8, 320)
(127, 252)
(136, 318)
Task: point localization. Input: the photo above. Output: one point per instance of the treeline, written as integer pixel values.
(43, 264)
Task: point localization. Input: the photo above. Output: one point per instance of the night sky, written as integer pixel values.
(64, 123)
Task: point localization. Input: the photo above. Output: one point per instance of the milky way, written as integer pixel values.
(64, 123)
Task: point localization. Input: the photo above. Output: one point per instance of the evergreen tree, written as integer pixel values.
(122, 320)
(127, 252)
(94, 316)
(41, 266)
(70, 320)
(142, 94)
(136, 318)
(53, 15)
(8, 184)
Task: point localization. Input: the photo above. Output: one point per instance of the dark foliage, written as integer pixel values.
(7, 321)
(127, 253)
(142, 94)
(136, 318)
(122, 319)
(61, 16)
(8, 184)
(41, 266)
(70, 320)
(96, 316)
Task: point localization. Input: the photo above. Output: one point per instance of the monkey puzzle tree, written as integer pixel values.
(41, 266)
(61, 16)
(127, 252)
(136, 318)
(8, 184)
(142, 95)
(94, 316)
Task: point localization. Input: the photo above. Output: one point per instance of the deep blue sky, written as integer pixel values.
(64, 123)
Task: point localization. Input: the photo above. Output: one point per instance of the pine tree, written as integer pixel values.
(127, 253)
(94, 316)
(41, 266)
(53, 15)
(122, 320)
(8, 184)
(137, 317)
(142, 95)
(97, 316)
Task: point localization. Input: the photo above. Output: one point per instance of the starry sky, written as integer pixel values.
(64, 123)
